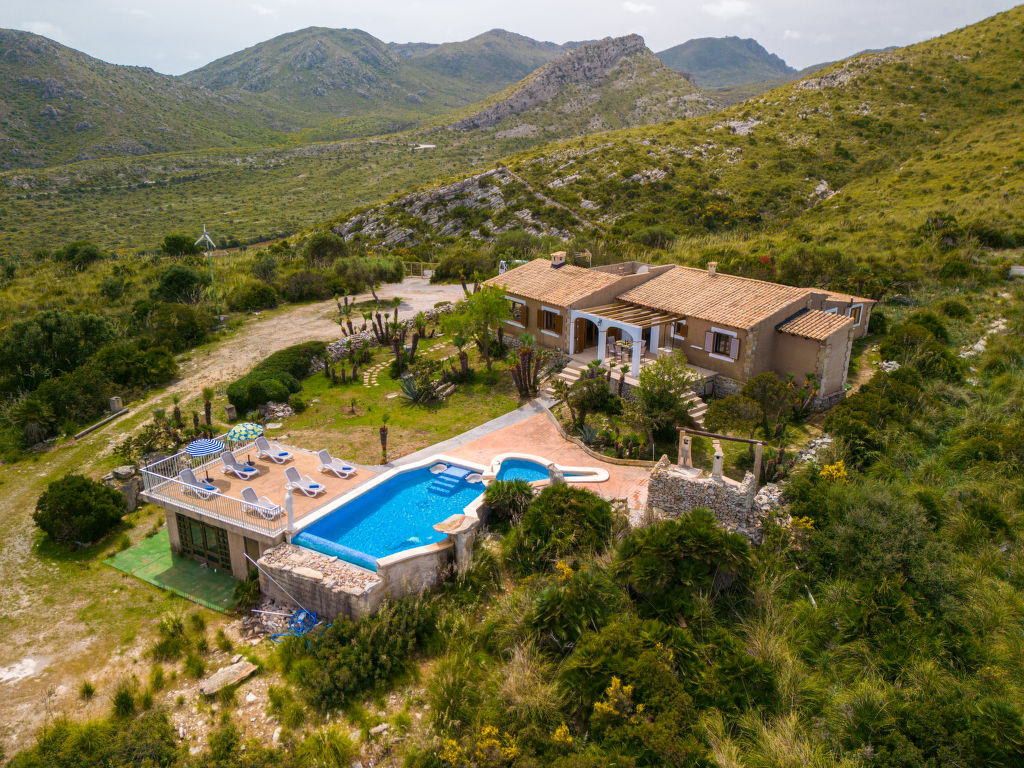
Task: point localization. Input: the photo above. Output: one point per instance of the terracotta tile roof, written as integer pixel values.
(838, 296)
(739, 302)
(560, 286)
(815, 324)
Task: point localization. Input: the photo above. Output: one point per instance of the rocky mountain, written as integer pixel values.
(719, 62)
(875, 143)
(343, 72)
(611, 83)
(58, 105)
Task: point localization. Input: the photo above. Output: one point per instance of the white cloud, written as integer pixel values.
(728, 9)
(638, 7)
(262, 10)
(792, 34)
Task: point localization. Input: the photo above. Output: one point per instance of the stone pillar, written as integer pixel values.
(685, 449)
(572, 333)
(655, 339)
(289, 507)
(758, 455)
(464, 550)
(602, 342)
(716, 470)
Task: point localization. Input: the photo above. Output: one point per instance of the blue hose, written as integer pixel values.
(300, 624)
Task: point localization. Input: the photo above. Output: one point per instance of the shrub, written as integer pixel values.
(932, 322)
(172, 325)
(297, 403)
(305, 286)
(264, 267)
(177, 244)
(252, 296)
(516, 243)
(666, 566)
(113, 287)
(579, 602)
(561, 522)
(125, 365)
(124, 699)
(323, 248)
(79, 254)
(47, 344)
(247, 592)
(77, 509)
(955, 309)
(275, 377)
(464, 264)
(508, 500)
(654, 236)
(878, 323)
(351, 658)
(179, 284)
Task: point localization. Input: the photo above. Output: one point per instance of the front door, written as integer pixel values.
(585, 334)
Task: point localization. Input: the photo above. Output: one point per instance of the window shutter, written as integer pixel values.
(558, 324)
(734, 348)
(709, 341)
(540, 318)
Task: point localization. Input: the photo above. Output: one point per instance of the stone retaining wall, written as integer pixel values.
(320, 583)
(674, 491)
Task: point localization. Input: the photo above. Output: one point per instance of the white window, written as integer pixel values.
(519, 312)
(855, 312)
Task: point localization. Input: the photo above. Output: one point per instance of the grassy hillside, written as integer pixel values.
(719, 62)
(59, 105)
(893, 137)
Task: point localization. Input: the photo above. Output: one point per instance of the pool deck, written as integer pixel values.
(535, 434)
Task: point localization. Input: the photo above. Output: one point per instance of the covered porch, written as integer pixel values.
(622, 330)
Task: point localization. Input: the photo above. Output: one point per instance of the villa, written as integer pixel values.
(730, 328)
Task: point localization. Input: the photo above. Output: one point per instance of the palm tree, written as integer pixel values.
(208, 405)
(396, 302)
(384, 438)
(346, 313)
(176, 413)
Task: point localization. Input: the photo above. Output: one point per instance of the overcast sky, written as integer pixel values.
(175, 36)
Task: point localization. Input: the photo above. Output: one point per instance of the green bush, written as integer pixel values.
(47, 344)
(654, 236)
(177, 244)
(180, 284)
(323, 248)
(878, 323)
(274, 378)
(175, 326)
(665, 567)
(252, 296)
(79, 254)
(351, 658)
(577, 603)
(125, 365)
(561, 522)
(464, 264)
(305, 286)
(507, 500)
(955, 309)
(297, 403)
(77, 509)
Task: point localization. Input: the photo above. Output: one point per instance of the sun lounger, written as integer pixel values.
(303, 483)
(330, 464)
(244, 471)
(193, 485)
(272, 451)
(260, 505)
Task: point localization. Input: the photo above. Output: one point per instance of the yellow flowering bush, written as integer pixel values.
(834, 473)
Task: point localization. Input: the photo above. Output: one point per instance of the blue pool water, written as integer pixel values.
(396, 515)
(524, 469)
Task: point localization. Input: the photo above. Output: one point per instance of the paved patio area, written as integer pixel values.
(538, 436)
(152, 561)
(270, 482)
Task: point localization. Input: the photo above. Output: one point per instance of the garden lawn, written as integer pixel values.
(346, 419)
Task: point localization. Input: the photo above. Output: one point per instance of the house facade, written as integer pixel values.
(732, 326)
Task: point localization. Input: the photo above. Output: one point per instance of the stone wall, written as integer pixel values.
(674, 491)
(724, 386)
(320, 583)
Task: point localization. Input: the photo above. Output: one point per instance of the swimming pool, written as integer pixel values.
(524, 469)
(395, 515)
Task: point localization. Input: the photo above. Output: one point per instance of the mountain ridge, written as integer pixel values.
(717, 62)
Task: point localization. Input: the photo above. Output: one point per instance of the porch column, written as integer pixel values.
(635, 368)
(572, 333)
(602, 341)
(655, 340)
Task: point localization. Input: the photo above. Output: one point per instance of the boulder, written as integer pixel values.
(226, 676)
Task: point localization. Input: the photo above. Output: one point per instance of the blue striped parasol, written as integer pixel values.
(204, 447)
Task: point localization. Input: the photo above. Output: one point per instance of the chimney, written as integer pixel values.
(712, 266)
(557, 259)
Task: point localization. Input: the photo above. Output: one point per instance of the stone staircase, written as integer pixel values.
(573, 371)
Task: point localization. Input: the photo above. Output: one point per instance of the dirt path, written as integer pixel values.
(310, 322)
